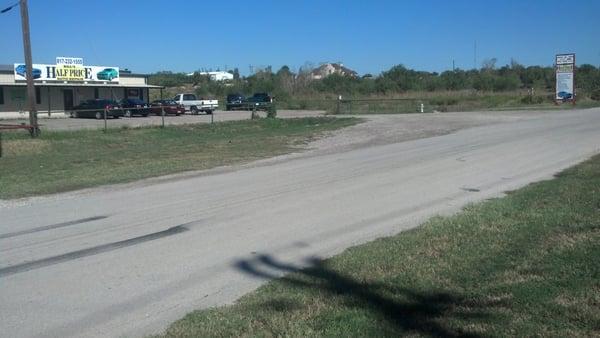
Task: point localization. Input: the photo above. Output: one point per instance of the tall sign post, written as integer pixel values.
(565, 78)
(29, 67)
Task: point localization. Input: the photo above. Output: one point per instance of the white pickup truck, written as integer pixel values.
(191, 103)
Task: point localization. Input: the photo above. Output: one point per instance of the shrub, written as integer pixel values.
(529, 99)
(595, 95)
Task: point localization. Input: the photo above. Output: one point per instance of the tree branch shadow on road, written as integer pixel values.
(404, 309)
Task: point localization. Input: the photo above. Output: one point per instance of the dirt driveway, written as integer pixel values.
(394, 128)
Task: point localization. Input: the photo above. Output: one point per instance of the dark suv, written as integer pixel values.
(258, 101)
(235, 101)
(134, 107)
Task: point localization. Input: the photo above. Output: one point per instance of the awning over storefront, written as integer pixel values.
(70, 84)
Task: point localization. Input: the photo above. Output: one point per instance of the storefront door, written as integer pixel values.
(68, 98)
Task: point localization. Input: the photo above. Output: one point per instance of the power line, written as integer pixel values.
(10, 7)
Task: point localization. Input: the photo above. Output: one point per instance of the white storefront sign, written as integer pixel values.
(67, 69)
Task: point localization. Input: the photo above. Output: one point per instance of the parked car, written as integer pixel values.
(258, 101)
(235, 101)
(96, 109)
(107, 74)
(133, 107)
(22, 70)
(169, 106)
(264, 97)
(191, 103)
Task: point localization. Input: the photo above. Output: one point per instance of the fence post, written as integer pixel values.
(337, 111)
(253, 116)
(0, 144)
(212, 117)
(105, 125)
(162, 110)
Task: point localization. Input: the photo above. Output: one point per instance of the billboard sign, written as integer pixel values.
(68, 69)
(565, 77)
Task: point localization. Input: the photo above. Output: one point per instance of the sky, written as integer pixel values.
(367, 36)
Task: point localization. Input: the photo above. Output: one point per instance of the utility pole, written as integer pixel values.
(29, 66)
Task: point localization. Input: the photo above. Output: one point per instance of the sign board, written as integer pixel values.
(68, 69)
(69, 61)
(565, 77)
(565, 59)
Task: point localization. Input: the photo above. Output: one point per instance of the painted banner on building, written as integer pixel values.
(69, 69)
(68, 72)
(565, 77)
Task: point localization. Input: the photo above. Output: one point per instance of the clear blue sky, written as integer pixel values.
(368, 36)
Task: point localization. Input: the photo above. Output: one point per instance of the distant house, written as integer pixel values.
(331, 68)
(216, 76)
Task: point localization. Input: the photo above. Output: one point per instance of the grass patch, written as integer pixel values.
(522, 265)
(452, 101)
(68, 160)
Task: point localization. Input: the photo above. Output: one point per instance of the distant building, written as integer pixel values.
(216, 76)
(58, 88)
(332, 68)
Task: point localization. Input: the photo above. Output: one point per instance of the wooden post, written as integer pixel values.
(49, 102)
(29, 67)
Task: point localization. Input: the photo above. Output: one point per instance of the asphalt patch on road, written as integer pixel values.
(11, 270)
(52, 226)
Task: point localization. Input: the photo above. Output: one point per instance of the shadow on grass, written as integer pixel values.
(406, 310)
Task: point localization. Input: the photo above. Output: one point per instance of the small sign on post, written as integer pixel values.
(565, 78)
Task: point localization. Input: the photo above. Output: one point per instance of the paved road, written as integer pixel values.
(129, 259)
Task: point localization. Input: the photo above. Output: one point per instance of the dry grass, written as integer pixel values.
(24, 147)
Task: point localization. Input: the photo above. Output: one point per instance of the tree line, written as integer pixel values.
(285, 84)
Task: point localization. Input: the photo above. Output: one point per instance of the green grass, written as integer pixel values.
(67, 160)
(455, 102)
(523, 265)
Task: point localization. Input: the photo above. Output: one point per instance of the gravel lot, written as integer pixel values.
(60, 122)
